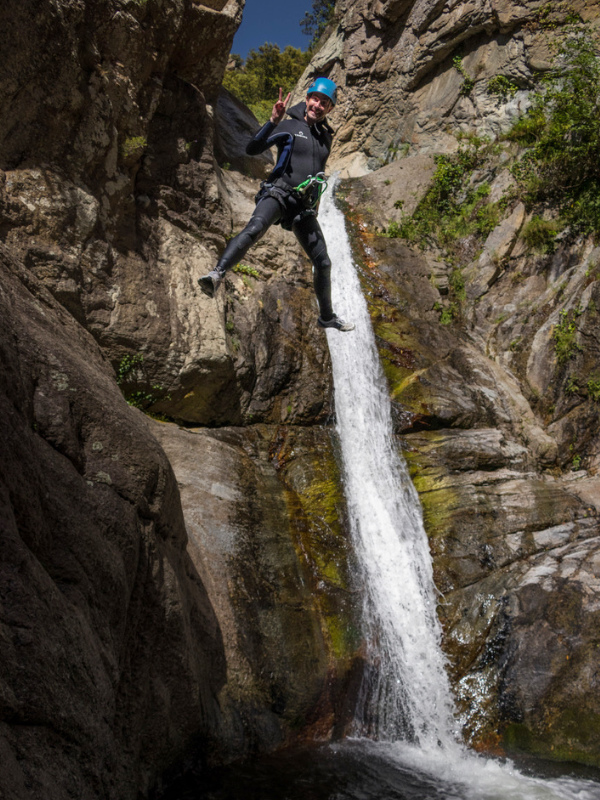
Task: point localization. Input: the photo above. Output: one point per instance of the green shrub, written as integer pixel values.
(449, 314)
(565, 337)
(502, 87)
(393, 230)
(453, 208)
(562, 166)
(457, 284)
(244, 269)
(539, 234)
(315, 21)
(256, 81)
(529, 128)
(593, 387)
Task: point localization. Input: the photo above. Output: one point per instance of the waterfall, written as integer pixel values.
(406, 695)
(406, 704)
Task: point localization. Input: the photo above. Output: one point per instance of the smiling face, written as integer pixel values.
(317, 107)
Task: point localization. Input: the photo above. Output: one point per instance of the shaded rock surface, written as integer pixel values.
(119, 204)
(265, 516)
(112, 657)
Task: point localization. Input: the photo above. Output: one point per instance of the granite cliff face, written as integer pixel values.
(112, 656)
(116, 663)
(146, 622)
(400, 89)
(498, 428)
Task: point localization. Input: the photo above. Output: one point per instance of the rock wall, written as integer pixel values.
(144, 622)
(266, 521)
(116, 667)
(400, 90)
(112, 657)
(503, 450)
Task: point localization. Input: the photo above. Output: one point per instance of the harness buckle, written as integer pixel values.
(306, 186)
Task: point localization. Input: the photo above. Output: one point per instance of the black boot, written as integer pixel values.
(211, 282)
(336, 322)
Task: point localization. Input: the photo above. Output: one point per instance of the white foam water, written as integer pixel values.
(406, 703)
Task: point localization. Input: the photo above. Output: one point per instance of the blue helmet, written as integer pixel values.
(324, 86)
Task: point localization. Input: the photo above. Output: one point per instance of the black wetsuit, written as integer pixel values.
(302, 150)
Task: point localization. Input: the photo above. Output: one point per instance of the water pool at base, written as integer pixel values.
(362, 770)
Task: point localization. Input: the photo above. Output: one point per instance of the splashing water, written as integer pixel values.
(405, 701)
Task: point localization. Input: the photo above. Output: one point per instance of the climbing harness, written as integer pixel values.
(305, 189)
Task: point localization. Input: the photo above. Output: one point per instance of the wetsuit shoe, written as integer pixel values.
(210, 283)
(337, 323)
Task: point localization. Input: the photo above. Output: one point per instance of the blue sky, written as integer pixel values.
(275, 21)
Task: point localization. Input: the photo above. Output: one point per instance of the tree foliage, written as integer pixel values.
(562, 164)
(315, 21)
(256, 81)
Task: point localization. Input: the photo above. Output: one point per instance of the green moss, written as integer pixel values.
(438, 502)
(317, 507)
(574, 736)
(133, 148)
(322, 498)
(395, 374)
(244, 269)
(410, 393)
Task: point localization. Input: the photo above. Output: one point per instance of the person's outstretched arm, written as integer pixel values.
(258, 143)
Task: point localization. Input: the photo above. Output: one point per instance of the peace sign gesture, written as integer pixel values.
(279, 108)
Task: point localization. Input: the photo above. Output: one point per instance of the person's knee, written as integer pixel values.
(256, 228)
(322, 263)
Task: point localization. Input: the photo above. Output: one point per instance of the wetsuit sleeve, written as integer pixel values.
(259, 142)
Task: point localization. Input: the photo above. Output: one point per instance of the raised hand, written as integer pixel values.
(279, 108)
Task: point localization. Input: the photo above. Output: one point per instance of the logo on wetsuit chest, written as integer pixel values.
(301, 135)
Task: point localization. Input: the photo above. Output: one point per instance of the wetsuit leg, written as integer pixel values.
(267, 212)
(309, 234)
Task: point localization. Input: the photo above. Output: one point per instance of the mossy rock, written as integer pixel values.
(574, 735)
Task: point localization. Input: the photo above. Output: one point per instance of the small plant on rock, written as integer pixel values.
(502, 87)
(565, 337)
(539, 234)
(133, 148)
(593, 387)
(132, 381)
(244, 269)
(468, 82)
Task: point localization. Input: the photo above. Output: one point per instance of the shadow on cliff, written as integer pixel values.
(112, 656)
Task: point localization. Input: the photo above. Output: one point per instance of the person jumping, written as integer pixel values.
(290, 194)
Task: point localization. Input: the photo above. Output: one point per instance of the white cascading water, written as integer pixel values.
(406, 702)
(408, 695)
